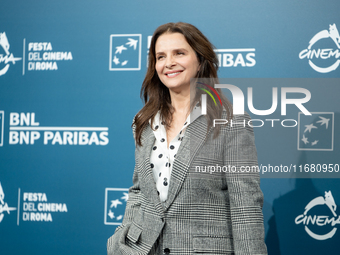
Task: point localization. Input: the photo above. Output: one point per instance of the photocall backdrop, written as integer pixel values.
(70, 78)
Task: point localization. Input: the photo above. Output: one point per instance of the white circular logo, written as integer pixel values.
(324, 54)
(320, 220)
(8, 58)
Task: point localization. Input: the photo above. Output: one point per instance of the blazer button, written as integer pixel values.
(167, 251)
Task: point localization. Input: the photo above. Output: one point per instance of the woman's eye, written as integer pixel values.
(180, 53)
(160, 57)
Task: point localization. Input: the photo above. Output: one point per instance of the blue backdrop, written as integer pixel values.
(70, 77)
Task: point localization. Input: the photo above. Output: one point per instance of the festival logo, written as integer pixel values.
(316, 131)
(125, 52)
(36, 207)
(32, 207)
(43, 57)
(324, 224)
(322, 56)
(115, 203)
(7, 59)
(4, 208)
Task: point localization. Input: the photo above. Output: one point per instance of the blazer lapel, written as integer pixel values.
(148, 184)
(194, 137)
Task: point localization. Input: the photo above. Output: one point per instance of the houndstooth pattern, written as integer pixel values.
(205, 212)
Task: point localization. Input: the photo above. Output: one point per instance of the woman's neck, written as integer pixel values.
(180, 102)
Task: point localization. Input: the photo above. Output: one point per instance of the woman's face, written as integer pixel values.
(176, 61)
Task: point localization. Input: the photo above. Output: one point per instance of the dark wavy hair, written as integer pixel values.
(156, 95)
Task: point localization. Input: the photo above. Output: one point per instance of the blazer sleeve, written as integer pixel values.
(245, 195)
(116, 243)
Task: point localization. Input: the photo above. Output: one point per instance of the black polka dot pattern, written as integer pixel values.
(163, 156)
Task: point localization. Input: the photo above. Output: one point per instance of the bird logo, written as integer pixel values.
(316, 131)
(115, 203)
(125, 52)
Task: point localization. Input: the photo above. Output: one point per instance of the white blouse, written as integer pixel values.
(162, 158)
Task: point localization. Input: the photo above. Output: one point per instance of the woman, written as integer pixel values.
(176, 205)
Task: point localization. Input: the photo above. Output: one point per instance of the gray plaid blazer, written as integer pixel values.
(209, 210)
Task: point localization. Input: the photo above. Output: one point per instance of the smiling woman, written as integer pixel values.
(172, 208)
(177, 42)
(176, 62)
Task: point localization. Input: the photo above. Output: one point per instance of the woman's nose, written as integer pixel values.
(169, 62)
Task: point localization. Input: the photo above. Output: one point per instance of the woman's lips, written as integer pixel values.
(173, 74)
